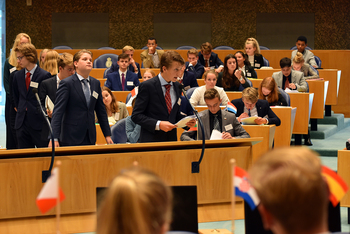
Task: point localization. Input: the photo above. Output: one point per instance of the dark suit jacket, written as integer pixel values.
(72, 119)
(198, 69)
(48, 87)
(258, 61)
(214, 60)
(150, 107)
(250, 72)
(263, 109)
(25, 100)
(189, 80)
(115, 68)
(114, 84)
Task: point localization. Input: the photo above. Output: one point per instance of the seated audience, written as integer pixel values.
(187, 79)
(193, 64)
(122, 80)
(252, 50)
(50, 64)
(215, 118)
(308, 55)
(292, 191)
(133, 66)
(42, 57)
(115, 110)
(151, 57)
(137, 201)
(210, 78)
(251, 105)
(268, 91)
(209, 59)
(287, 78)
(148, 74)
(244, 65)
(132, 130)
(300, 65)
(232, 79)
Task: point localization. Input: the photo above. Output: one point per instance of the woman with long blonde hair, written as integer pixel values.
(300, 65)
(252, 49)
(50, 64)
(42, 57)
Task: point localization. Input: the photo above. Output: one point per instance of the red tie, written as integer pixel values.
(168, 98)
(286, 84)
(123, 81)
(206, 63)
(27, 80)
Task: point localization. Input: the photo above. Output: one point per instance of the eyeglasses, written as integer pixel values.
(20, 58)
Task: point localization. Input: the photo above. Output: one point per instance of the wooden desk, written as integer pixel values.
(98, 73)
(283, 133)
(319, 88)
(121, 95)
(256, 82)
(344, 172)
(303, 103)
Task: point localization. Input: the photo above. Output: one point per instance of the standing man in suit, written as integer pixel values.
(193, 64)
(123, 79)
(133, 66)
(209, 59)
(251, 105)
(151, 57)
(77, 98)
(287, 78)
(187, 79)
(215, 118)
(157, 106)
(29, 119)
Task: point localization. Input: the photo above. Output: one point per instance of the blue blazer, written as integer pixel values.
(115, 67)
(263, 109)
(150, 107)
(214, 60)
(198, 69)
(25, 100)
(189, 80)
(114, 84)
(72, 119)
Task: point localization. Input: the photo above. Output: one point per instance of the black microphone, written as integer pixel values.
(195, 165)
(46, 174)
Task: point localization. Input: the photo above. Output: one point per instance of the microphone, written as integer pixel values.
(46, 174)
(195, 165)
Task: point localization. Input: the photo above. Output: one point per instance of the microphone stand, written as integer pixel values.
(46, 174)
(195, 165)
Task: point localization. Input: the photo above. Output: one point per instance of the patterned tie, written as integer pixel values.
(206, 63)
(123, 81)
(167, 97)
(216, 123)
(86, 91)
(286, 84)
(28, 80)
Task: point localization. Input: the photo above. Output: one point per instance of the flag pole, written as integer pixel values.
(233, 197)
(58, 208)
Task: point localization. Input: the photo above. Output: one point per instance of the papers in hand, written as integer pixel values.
(182, 122)
(216, 135)
(49, 104)
(249, 120)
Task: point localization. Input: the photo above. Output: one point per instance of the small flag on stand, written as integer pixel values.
(231, 108)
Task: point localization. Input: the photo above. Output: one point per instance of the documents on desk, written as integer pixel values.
(216, 135)
(249, 120)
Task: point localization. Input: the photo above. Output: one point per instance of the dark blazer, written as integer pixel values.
(263, 109)
(214, 60)
(72, 119)
(189, 80)
(48, 87)
(198, 69)
(258, 61)
(250, 72)
(25, 100)
(115, 68)
(114, 84)
(150, 107)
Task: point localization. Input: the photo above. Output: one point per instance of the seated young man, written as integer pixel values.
(251, 105)
(122, 80)
(209, 59)
(193, 64)
(133, 66)
(187, 79)
(151, 57)
(308, 55)
(293, 193)
(287, 78)
(215, 118)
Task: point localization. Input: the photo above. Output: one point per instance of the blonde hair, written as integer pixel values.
(13, 57)
(250, 94)
(290, 185)
(150, 71)
(211, 71)
(137, 201)
(51, 60)
(64, 59)
(128, 48)
(298, 58)
(41, 63)
(271, 85)
(255, 44)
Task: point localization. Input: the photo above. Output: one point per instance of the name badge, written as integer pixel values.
(117, 116)
(257, 65)
(130, 83)
(179, 101)
(228, 127)
(12, 69)
(34, 84)
(249, 74)
(94, 94)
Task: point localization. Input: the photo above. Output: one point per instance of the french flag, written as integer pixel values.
(47, 198)
(244, 189)
(231, 108)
